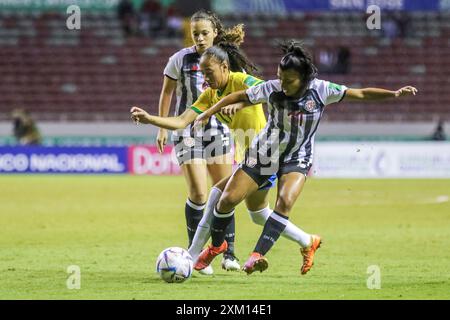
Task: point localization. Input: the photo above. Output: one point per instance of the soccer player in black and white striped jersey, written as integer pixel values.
(182, 75)
(296, 100)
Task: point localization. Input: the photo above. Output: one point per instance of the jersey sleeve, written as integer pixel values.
(260, 93)
(251, 81)
(329, 92)
(173, 67)
(203, 102)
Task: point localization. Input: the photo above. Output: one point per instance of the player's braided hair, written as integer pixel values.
(226, 43)
(233, 35)
(297, 58)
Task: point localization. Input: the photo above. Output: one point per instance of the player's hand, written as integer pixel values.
(139, 115)
(161, 140)
(405, 91)
(232, 109)
(200, 120)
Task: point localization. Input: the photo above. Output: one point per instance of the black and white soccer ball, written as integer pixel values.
(174, 264)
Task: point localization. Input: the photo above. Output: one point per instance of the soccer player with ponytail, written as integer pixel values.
(296, 100)
(220, 69)
(183, 77)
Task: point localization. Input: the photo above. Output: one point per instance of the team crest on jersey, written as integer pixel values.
(191, 67)
(310, 105)
(251, 162)
(189, 142)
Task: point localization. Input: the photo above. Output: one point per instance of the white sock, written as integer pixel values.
(203, 230)
(260, 216)
(291, 232)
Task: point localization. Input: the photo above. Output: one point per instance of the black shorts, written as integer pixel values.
(262, 174)
(189, 148)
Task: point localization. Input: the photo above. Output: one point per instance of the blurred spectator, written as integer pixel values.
(174, 22)
(187, 8)
(395, 25)
(126, 14)
(389, 27)
(333, 60)
(343, 60)
(439, 134)
(25, 129)
(403, 21)
(152, 18)
(326, 60)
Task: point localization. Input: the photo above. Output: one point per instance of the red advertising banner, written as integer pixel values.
(147, 160)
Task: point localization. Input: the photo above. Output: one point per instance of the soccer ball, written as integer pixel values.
(174, 264)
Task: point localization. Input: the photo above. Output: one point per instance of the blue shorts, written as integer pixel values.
(266, 181)
(270, 183)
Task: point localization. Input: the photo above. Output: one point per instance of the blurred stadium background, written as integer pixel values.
(78, 86)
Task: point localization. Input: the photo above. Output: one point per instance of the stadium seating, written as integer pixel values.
(97, 74)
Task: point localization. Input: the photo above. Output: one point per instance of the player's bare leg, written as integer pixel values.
(258, 200)
(289, 188)
(237, 189)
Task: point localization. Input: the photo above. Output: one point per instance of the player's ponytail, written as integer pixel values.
(237, 60)
(233, 35)
(233, 56)
(229, 41)
(226, 43)
(297, 58)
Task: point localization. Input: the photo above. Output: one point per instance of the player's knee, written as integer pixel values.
(222, 183)
(285, 203)
(228, 201)
(198, 197)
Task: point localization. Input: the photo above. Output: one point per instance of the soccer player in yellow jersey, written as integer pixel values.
(245, 123)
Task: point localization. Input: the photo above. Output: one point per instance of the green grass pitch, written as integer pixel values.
(114, 227)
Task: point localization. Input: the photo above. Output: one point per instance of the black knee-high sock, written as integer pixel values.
(274, 226)
(193, 213)
(219, 225)
(229, 236)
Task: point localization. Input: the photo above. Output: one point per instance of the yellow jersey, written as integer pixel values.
(246, 123)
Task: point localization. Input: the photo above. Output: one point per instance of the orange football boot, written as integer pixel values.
(308, 253)
(208, 254)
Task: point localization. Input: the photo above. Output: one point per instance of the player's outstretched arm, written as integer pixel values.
(234, 98)
(139, 115)
(231, 109)
(165, 99)
(377, 93)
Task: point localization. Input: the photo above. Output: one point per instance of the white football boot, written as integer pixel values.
(230, 263)
(207, 271)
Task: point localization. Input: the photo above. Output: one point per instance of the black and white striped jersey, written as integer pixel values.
(184, 67)
(292, 124)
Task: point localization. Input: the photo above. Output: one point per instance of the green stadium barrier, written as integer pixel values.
(29, 6)
(84, 141)
(108, 141)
